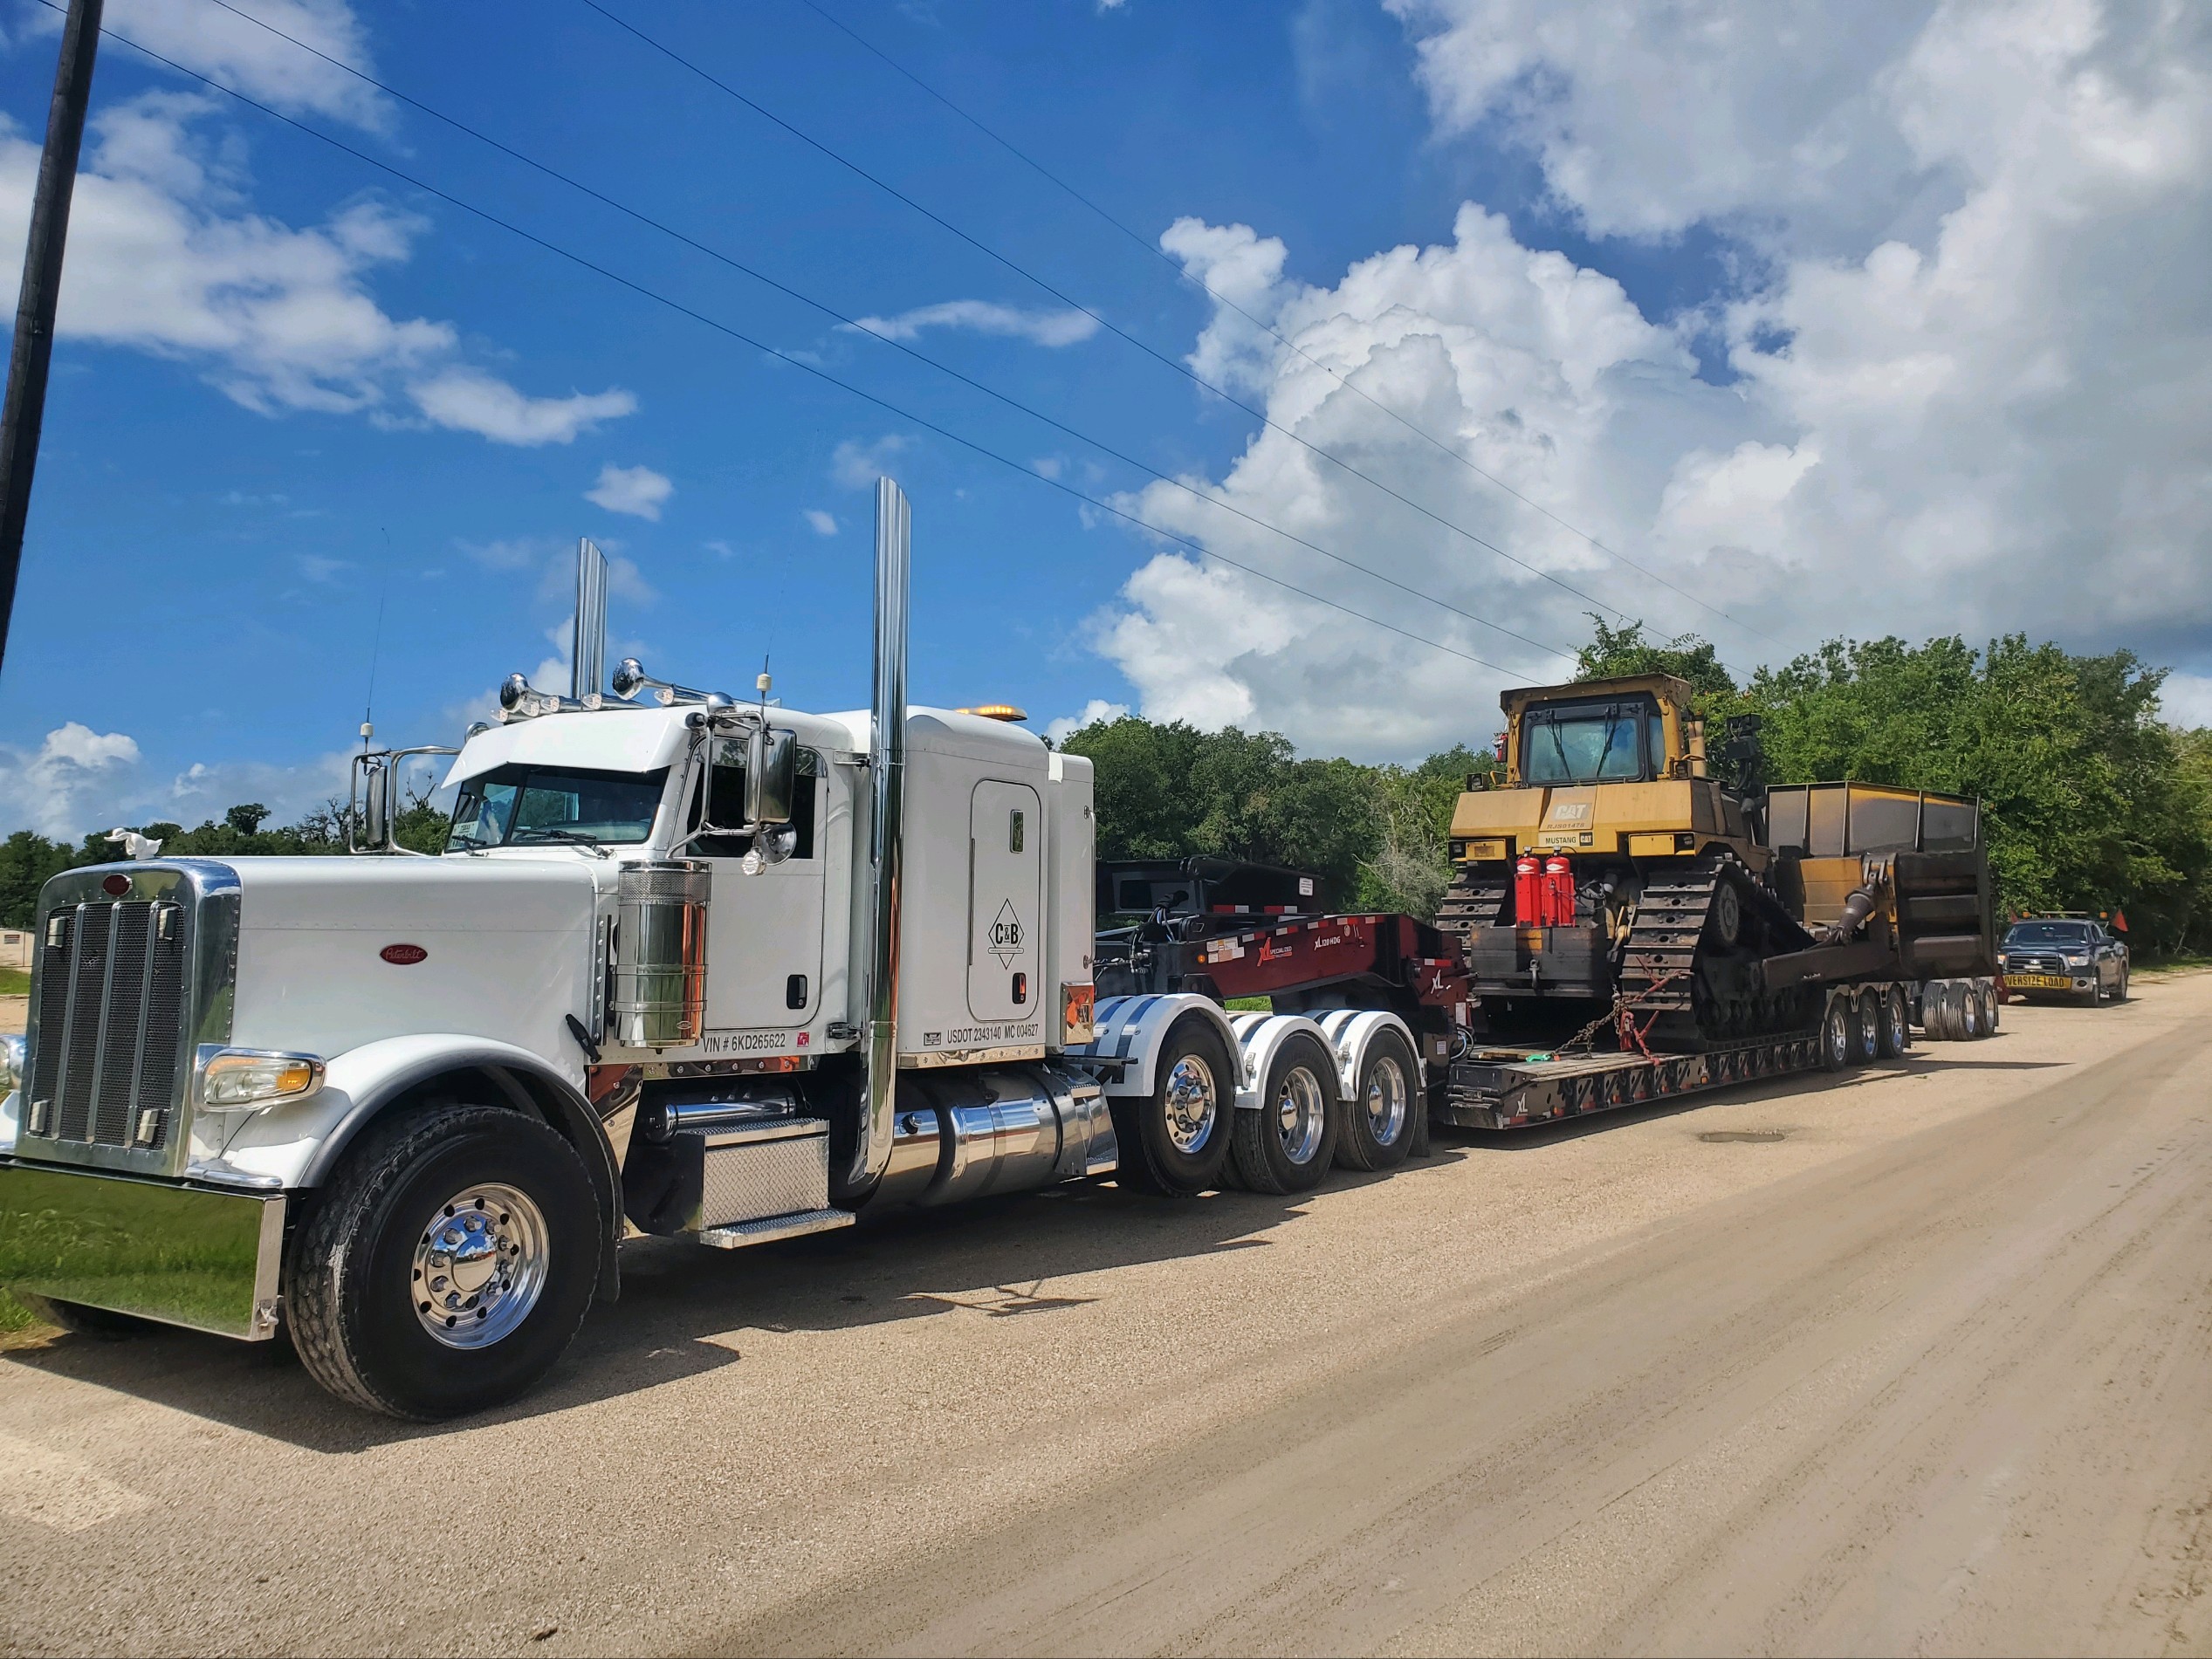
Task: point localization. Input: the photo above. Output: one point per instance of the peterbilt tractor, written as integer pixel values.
(689, 964)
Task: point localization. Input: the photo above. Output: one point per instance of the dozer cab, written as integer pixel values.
(1610, 875)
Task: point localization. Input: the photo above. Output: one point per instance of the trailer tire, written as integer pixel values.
(1966, 1002)
(1990, 1003)
(1938, 1002)
(1866, 1020)
(519, 1202)
(1163, 1151)
(1836, 1041)
(1287, 1145)
(1896, 1025)
(1379, 1122)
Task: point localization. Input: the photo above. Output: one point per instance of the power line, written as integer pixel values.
(1183, 275)
(899, 346)
(1184, 369)
(796, 362)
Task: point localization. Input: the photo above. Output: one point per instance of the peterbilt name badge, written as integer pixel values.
(403, 955)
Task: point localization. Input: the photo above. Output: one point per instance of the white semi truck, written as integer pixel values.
(689, 965)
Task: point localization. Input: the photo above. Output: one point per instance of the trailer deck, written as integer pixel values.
(1499, 1086)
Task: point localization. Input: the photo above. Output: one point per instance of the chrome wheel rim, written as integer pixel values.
(1837, 1029)
(1386, 1094)
(480, 1264)
(1300, 1114)
(1191, 1101)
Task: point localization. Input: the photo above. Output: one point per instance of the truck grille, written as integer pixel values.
(110, 1016)
(2027, 965)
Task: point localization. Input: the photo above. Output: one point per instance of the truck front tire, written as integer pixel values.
(1174, 1141)
(446, 1265)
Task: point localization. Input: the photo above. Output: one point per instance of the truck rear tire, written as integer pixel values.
(1379, 1120)
(446, 1265)
(1990, 1003)
(1174, 1141)
(1837, 1040)
(1287, 1145)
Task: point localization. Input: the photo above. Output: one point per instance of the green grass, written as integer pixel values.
(18, 1323)
(2180, 961)
(1251, 1005)
(15, 981)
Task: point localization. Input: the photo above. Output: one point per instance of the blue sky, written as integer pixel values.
(291, 390)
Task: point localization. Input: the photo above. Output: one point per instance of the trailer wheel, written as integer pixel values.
(1897, 1027)
(1966, 1002)
(1377, 1129)
(1937, 1003)
(1836, 1041)
(1867, 1021)
(447, 1264)
(1175, 1140)
(1991, 1002)
(1287, 1145)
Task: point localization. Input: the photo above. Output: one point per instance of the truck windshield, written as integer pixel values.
(546, 805)
(2050, 933)
(1590, 743)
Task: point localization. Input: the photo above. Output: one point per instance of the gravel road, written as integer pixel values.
(1914, 1360)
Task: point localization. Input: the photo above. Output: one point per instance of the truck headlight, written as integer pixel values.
(235, 1077)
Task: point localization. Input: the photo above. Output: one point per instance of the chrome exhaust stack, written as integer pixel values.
(588, 653)
(872, 1151)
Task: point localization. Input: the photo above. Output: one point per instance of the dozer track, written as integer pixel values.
(1473, 901)
(1689, 989)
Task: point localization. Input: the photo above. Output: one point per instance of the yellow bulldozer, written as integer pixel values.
(1609, 872)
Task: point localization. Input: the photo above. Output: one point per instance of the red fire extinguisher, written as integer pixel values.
(1528, 891)
(1559, 892)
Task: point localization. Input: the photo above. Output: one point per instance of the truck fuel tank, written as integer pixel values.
(958, 1136)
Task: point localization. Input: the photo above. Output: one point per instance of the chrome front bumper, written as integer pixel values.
(183, 1255)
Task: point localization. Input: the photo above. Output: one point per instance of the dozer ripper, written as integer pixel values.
(1611, 877)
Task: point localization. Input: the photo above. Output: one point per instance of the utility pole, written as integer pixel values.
(25, 408)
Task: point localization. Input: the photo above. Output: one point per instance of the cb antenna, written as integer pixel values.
(375, 646)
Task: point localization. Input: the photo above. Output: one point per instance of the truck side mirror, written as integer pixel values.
(770, 776)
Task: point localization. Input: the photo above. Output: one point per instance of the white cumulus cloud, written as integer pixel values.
(1968, 370)
(1067, 327)
(820, 522)
(639, 491)
(1058, 731)
(168, 256)
(55, 788)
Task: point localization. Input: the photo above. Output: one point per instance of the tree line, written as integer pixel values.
(2091, 800)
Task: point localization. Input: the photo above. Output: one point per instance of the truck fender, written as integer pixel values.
(1258, 1037)
(301, 1144)
(1128, 1032)
(1351, 1032)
